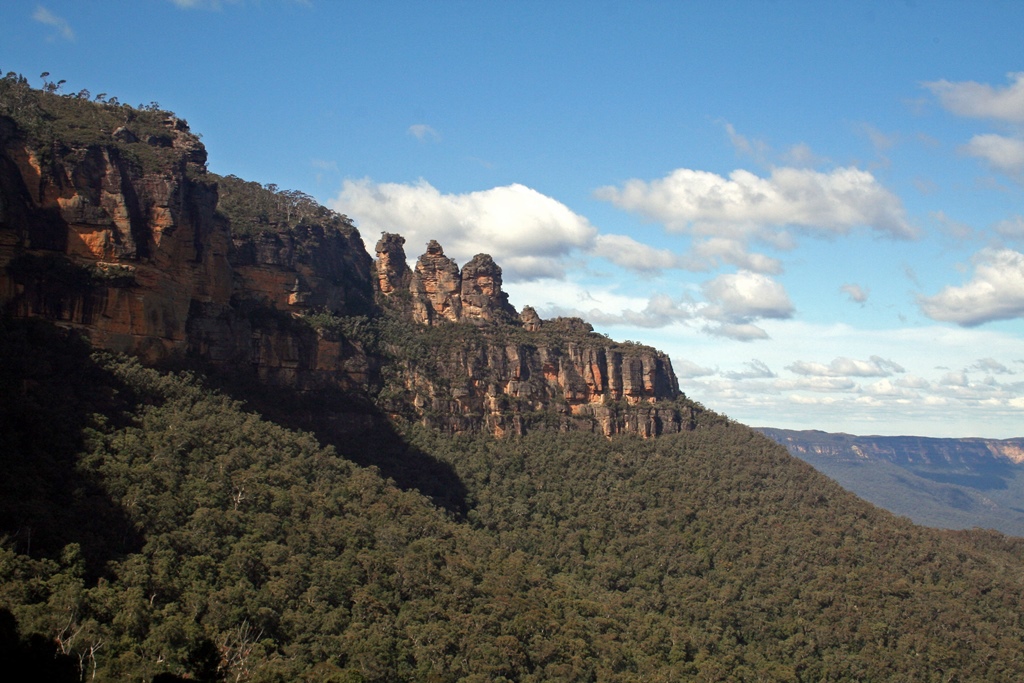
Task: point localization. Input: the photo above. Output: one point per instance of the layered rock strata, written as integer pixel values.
(138, 259)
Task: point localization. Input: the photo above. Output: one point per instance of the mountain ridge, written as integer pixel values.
(944, 482)
(162, 259)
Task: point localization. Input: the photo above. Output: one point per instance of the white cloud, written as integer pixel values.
(801, 400)
(995, 292)
(709, 253)
(954, 379)
(733, 303)
(875, 366)
(1002, 153)
(857, 294)
(660, 310)
(913, 402)
(45, 16)
(627, 252)
(737, 331)
(422, 131)
(736, 300)
(740, 297)
(746, 206)
(888, 388)
(980, 100)
(529, 234)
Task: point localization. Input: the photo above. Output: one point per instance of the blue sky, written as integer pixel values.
(814, 208)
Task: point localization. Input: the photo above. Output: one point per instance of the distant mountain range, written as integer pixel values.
(947, 483)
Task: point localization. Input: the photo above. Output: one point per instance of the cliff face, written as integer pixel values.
(511, 387)
(93, 241)
(137, 256)
(486, 365)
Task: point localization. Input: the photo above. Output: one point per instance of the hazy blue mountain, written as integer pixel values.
(948, 483)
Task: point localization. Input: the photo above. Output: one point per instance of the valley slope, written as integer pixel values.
(237, 447)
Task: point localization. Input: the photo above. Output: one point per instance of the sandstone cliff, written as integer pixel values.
(92, 239)
(123, 235)
(480, 363)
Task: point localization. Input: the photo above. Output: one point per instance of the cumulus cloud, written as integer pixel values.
(912, 382)
(733, 304)
(1002, 153)
(875, 366)
(45, 16)
(742, 296)
(995, 291)
(980, 100)
(889, 389)
(954, 379)
(530, 234)
(736, 300)
(745, 206)
(627, 252)
(857, 294)
(710, 253)
(422, 131)
(661, 310)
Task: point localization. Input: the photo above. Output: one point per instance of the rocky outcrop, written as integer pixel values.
(122, 239)
(483, 300)
(139, 261)
(95, 242)
(393, 274)
(436, 287)
(512, 387)
(437, 290)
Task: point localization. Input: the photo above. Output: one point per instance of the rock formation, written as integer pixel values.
(90, 213)
(436, 287)
(393, 272)
(137, 257)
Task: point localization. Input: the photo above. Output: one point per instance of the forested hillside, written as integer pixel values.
(297, 475)
(153, 525)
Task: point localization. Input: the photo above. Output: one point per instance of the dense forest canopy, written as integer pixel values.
(163, 528)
